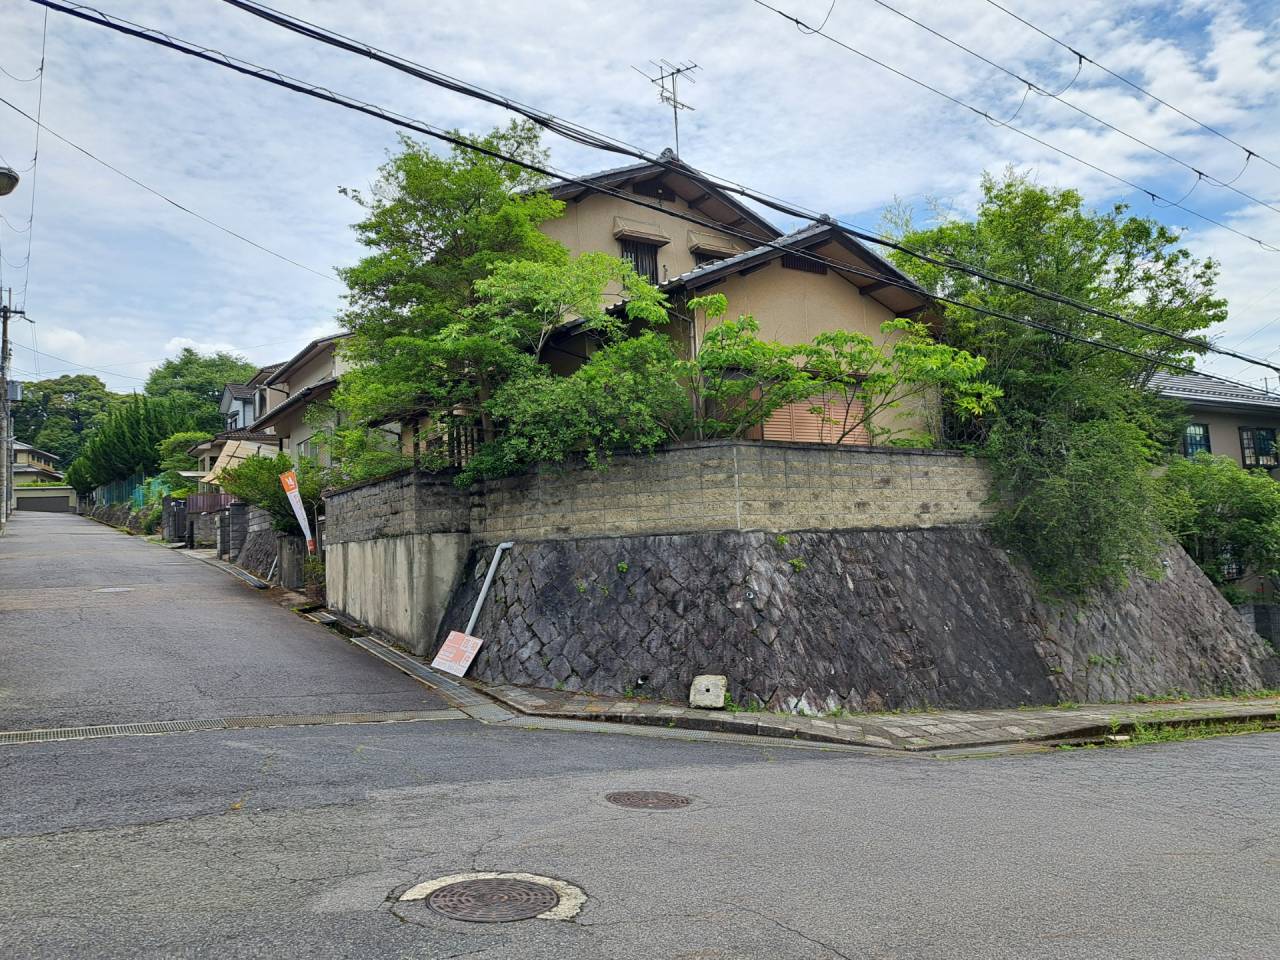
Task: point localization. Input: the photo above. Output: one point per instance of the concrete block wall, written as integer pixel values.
(727, 485)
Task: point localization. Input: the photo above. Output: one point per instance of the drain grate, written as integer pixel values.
(108, 730)
(497, 900)
(647, 800)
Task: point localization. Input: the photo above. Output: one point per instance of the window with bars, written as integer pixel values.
(796, 261)
(1258, 447)
(1195, 439)
(701, 259)
(642, 256)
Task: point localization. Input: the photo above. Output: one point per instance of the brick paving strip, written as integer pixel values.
(940, 730)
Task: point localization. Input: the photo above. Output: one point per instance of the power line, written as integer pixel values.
(35, 161)
(298, 86)
(1153, 195)
(585, 135)
(1248, 153)
(1036, 88)
(167, 199)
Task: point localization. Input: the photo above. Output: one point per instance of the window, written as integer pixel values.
(702, 259)
(1196, 439)
(795, 261)
(1258, 446)
(642, 256)
(1232, 567)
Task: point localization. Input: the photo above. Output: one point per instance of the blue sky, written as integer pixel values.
(118, 279)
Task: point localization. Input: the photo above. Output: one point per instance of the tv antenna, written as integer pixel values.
(667, 77)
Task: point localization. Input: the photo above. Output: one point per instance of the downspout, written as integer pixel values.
(488, 580)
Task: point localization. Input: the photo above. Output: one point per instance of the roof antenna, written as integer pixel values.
(668, 76)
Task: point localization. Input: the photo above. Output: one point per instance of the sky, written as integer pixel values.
(118, 278)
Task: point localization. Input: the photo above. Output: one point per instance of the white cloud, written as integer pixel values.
(119, 278)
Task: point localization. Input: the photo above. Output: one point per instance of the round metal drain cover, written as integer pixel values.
(647, 800)
(493, 901)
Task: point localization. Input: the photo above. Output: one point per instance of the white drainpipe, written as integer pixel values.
(488, 579)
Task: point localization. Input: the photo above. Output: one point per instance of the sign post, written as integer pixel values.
(289, 480)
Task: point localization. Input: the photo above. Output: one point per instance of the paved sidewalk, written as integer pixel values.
(941, 730)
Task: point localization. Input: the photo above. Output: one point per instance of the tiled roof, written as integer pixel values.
(875, 264)
(282, 369)
(301, 397)
(240, 391)
(1193, 388)
(246, 433)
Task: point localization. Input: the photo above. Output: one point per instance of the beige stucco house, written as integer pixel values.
(737, 252)
(796, 285)
(1230, 421)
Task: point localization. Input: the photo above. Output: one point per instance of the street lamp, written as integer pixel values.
(8, 180)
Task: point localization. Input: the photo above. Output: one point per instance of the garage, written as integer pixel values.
(46, 499)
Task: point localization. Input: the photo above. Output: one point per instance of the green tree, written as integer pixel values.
(194, 382)
(56, 414)
(1062, 399)
(174, 457)
(1225, 516)
(126, 441)
(434, 226)
(257, 481)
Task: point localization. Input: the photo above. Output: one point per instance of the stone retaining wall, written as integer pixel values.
(864, 620)
(813, 576)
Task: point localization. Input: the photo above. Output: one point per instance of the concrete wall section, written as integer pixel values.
(394, 551)
(400, 586)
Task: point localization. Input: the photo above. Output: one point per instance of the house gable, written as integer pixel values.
(599, 222)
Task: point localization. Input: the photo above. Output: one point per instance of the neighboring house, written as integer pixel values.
(285, 395)
(236, 405)
(1236, 422)
(32, 466)
(228, 448)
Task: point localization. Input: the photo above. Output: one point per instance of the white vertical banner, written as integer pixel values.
(289, 480)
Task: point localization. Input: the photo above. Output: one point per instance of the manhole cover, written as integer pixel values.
(647, 800)
(493, 901)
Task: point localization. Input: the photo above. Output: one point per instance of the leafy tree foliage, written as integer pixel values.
(1082, 518)
(1225, 516)
(435, 225)
(636, 393)
(174, 457)
(257, 481)
(55, 414)
(194, 382)
(738, 380)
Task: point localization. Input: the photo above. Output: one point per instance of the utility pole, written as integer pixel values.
(668, 76)
(6, 416)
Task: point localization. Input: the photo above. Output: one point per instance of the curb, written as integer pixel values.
(810, 729)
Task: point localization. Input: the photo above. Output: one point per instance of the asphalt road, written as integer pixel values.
(297, 841)
(99, 627)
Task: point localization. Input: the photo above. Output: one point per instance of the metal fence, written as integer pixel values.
(208, 502)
